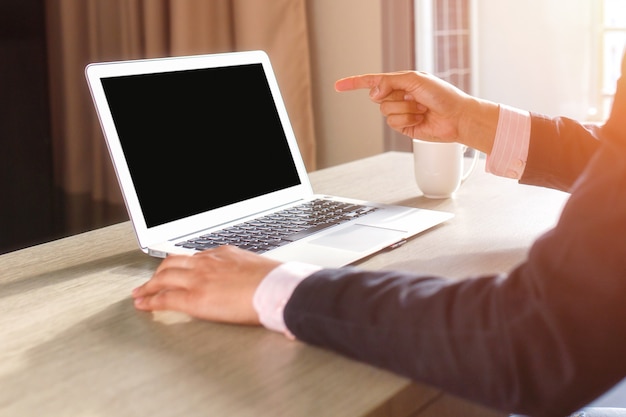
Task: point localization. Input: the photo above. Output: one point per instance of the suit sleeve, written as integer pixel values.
(542, 340)
(560, 148)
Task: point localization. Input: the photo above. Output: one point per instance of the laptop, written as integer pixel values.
(205, 155)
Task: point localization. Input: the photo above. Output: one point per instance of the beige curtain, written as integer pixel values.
(83, 31)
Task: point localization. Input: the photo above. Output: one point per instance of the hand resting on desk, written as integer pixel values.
(216, 284)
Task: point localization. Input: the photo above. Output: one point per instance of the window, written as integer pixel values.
(445, 45)
(451, 34)
(612, 42)
(443, 40)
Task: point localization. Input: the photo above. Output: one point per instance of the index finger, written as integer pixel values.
(357, 82)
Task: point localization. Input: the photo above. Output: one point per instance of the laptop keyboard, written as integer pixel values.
(282, 227)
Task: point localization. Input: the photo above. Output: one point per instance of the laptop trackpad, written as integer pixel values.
(359, 238)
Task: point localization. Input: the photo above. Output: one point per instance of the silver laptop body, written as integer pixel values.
(203, 143)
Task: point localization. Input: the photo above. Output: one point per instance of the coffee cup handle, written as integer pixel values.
(472, 165)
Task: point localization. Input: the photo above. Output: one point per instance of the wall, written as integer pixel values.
(536, 54)
(346, 40)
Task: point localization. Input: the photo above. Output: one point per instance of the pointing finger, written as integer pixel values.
(357, 82)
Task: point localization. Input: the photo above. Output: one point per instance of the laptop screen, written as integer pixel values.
(199, 139)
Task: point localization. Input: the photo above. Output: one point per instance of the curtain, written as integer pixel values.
(83, 31)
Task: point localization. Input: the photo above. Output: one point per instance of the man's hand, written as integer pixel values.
(425, 107)
(217, 284)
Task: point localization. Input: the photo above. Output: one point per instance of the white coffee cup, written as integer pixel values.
(440, 168)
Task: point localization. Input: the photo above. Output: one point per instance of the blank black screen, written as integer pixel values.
(201, 139)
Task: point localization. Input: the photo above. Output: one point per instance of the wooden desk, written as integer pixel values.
(71, 343)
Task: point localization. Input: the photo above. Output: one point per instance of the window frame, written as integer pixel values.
(606, 75)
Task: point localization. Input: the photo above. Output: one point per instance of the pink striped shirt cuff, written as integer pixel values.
(510, 148)
(275, 290)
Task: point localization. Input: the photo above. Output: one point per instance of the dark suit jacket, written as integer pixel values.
(544, 339)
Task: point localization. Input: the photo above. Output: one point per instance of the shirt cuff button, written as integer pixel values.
(512, 174)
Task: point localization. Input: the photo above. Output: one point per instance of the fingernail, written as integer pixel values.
(138, 301)
(374, 92)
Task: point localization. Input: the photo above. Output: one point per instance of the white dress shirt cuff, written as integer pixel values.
(274, 291)
(510, 147)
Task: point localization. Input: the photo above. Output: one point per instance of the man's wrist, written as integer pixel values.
(481, 125)
(510, 149)
(274, 292)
